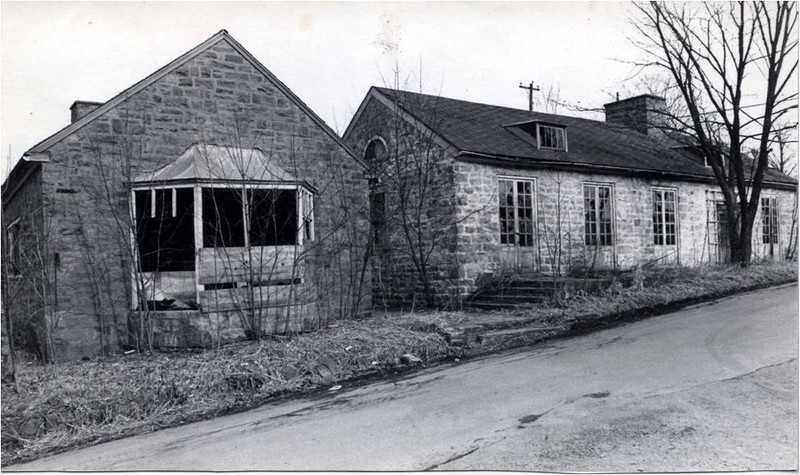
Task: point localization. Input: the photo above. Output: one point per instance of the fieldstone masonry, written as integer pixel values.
(467, 196)
(218, 96)
(396, 280)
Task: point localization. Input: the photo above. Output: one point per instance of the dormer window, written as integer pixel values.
(552, 137)
(542, 135)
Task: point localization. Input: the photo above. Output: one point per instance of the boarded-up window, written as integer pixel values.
(165, 229)
(223, 217)
(273, 217)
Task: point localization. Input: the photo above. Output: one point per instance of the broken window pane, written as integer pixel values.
(165, 238)
(223, 218)
(273, 217)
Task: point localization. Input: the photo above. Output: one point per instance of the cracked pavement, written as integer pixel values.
(712, 387)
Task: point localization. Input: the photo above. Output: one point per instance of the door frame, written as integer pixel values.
(534, 248)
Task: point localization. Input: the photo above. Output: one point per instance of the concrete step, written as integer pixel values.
(516, 335)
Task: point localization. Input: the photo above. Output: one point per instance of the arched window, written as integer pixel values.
(376, 150)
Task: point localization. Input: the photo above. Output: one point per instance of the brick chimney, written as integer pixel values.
(641, 113)
(81, 108)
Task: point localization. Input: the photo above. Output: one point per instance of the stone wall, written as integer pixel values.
(195, 329)
(410, 153)
(479, 240)
(217, 97)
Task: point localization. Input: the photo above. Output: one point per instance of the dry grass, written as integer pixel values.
(78, 403)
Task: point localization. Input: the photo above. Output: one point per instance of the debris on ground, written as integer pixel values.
(408, 358)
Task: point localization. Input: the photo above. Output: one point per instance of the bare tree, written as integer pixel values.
(417, 177)
(782, 157)
(735, 66)
(30, 298)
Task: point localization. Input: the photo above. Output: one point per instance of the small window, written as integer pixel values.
(664, 218)
(769, 220)
(14, 251)
(597, 209)
(552, 138)
(375, 151)
(307, 203)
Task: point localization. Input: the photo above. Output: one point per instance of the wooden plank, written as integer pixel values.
(236, 264)
(256, 297)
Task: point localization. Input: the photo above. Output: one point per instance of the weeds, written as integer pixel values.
(78, 403)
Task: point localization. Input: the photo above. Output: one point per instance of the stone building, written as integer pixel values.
(513, 191)
(203, 204)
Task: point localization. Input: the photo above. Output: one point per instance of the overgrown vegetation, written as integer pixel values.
(78, 403)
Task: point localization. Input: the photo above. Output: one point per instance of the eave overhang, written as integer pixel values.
(543, 164)
(147, 185)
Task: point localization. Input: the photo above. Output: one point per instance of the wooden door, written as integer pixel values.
(517, 236)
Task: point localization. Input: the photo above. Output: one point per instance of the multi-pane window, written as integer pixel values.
(664, 221)
(516, 212)
(769, 220)
(554, 138)
(597, 211)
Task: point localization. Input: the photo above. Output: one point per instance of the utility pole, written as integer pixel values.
(530, 89)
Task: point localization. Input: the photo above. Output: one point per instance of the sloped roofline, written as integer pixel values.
(44, 145)
(463, 153)
(376, 93)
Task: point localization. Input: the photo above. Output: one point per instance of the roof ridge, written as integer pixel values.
(571, 117)
(169, 67)
(141, 84)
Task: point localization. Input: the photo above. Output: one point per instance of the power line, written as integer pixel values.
(530, 88)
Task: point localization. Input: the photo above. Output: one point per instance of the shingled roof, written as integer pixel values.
(486, 130)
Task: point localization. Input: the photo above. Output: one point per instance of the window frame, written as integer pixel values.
(770, 220)
(539, 133)
(517, 221)
(597, 234)
(301, 216)
(664, 235)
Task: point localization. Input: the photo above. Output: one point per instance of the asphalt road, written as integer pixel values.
(713, 387)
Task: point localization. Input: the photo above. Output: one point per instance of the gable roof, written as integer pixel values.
(483, 130)
(38, 151)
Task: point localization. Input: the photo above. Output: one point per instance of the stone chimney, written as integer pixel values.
(642, 113)
(81, 108)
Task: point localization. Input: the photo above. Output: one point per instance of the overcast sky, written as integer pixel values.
(328, 53)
